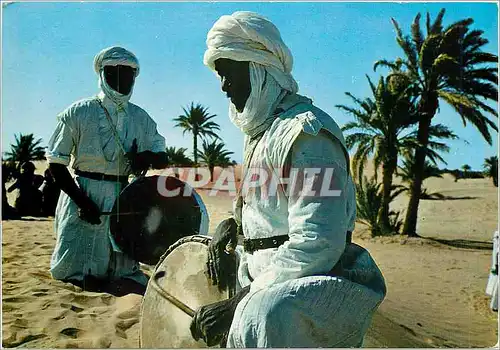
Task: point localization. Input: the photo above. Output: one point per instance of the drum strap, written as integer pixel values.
(252, 245)
(101, 177)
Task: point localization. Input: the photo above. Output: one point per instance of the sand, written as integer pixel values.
(435, 284)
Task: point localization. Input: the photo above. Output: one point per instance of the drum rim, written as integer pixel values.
(193, 238)
(202, 239)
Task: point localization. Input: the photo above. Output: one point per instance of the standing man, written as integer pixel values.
(108, 138)
(300, 281)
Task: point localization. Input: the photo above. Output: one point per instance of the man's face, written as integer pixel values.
(235, 81)
(120, 78)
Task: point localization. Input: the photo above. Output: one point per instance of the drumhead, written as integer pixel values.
(148, 223)
(179, 274)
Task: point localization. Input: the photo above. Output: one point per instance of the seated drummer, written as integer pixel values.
(109, 138)
(300, 283)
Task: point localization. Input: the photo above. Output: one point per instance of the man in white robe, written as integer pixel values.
(300, 282)
(108, 138)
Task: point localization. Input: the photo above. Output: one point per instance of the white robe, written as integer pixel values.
(492, 286)
(84, 133)
(292, 302)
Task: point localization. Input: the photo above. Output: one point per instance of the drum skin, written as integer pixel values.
(148, 223)
(180, 273)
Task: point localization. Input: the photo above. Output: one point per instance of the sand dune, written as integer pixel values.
(435, 284)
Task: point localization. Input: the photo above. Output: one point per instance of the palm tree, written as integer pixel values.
(491, 169)
(177, 156)
(410, 144)
(406, 174)
(466, 168)
(449, 65)
(25, 149)
(369, 200)
(213, 155)
(197, 121)
(378, 129)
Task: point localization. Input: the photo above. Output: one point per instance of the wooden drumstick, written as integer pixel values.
(124, 213)
(154, 282)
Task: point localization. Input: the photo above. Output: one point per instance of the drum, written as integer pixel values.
(145, 222)
(177, 288)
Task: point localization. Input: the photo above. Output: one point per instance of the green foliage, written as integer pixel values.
(368, 203)
(448, 65)
(25, 149)
(197, 121)
(177, 157)
(466, 168)
(491, 169)
(407, 176)
(379, 122)
(214, 154)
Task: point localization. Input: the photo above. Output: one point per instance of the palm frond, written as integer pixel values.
(466, 108)
(416, 32)
(429, 52)
(385, 63)
(437, 26)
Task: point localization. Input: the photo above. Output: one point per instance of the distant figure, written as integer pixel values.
(8, 212)
(492, 286)
(29, 199)
(50, 194)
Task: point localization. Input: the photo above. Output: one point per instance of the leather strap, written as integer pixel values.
(252, 245)
(101, 177)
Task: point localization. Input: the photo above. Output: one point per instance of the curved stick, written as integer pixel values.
(154, 282)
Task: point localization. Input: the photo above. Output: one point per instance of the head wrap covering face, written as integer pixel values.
(114, 56)
(248, 36)
(265, 94)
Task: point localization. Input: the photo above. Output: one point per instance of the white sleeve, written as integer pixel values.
(317, 223)
(63, 140)
(154, 142)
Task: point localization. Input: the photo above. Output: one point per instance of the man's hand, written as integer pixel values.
(221, 265)
(88, 210)
(142, 161)
(211, 322)
(138, 162)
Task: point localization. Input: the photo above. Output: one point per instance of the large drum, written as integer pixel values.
(146, 220)
(177, 288)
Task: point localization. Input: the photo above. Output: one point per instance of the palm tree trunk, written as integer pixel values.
(211, 168)
(387, 173)
(428, 106)
(410, 225)
(195, 148)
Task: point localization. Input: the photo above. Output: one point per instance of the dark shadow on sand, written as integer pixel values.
(118, 288)
(463, 243)
(447, 198)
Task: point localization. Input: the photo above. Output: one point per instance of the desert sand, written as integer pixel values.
(435, 284)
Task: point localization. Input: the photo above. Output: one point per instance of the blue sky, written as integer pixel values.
(48, 50)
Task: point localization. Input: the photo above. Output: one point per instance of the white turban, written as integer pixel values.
(248, 36)
(114, 56)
